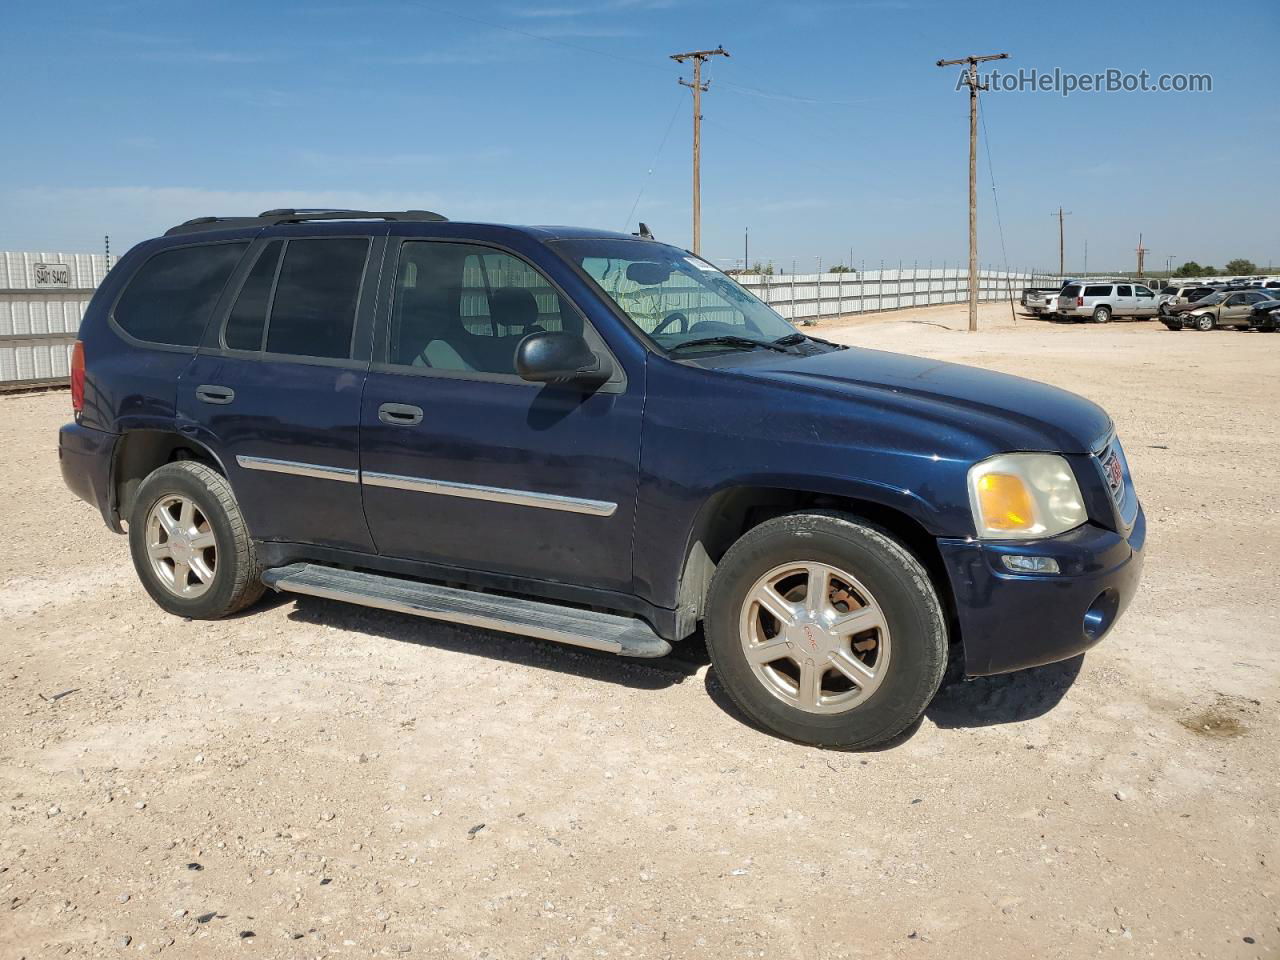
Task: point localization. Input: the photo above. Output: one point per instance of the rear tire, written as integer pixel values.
(190, 545)
(852, 667)
(1102, 315)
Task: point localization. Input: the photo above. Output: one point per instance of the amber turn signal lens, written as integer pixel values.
(1005, 502)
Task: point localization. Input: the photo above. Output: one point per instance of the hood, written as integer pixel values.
(1010, 413)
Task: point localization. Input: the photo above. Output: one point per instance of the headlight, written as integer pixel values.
(1024, 496)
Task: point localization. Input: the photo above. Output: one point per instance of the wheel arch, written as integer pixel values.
(138, 452)
(731, 512)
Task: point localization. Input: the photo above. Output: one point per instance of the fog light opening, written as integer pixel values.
(1101, 615)
(1019, 563)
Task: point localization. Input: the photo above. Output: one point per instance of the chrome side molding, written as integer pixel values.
(446, 488)
(477, 491)
(297, 469)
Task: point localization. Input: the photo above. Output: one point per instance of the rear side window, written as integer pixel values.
(300, 298)
(1168, 291)
(313, 312)
(171, 296)
(1097, 291)
(248, 320)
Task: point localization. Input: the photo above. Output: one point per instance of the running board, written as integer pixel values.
(625, 636)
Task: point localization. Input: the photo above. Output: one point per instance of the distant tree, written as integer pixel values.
(1240, 267)
(1210, 272)
(841, 268)
(758, 269)
(1189, 269)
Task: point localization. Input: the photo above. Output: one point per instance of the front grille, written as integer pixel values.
(1113, 471)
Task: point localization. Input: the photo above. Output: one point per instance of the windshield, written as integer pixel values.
(673, 296)
(1213, 298)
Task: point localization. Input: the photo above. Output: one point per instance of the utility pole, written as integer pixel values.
(699, 57)
(1142, 254)
(1086, 256)
(1061, 238)
(971, 81)
(746, 249)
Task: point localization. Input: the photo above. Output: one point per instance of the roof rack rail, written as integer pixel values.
(271, 218)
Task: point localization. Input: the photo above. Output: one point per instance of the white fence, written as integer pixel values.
(806, 298)
(42, 298)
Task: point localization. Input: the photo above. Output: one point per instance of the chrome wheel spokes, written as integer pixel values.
(181, 546)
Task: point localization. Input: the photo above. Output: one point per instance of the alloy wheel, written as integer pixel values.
(815, 637)
(181, 546)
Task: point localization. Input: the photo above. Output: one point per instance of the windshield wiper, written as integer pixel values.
(729, 340)
(791, 339)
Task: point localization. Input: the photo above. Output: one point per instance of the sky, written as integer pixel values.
(828, 133)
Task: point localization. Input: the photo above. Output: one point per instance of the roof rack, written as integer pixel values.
(271, 218)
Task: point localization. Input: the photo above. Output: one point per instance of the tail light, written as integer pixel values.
(77, 376)
(1079, 301)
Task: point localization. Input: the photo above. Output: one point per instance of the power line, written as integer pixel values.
(995, 202)
(644, 183)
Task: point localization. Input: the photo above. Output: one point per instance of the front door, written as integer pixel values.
(1126, 304)
(1145, 301)
(464, 464)
(275, 390)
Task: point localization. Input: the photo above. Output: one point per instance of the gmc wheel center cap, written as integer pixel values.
(180, 548)
(812, 638)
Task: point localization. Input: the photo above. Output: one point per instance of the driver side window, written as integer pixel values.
(463, 307)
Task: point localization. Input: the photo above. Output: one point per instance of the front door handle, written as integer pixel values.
(400, 414)
(211, 393)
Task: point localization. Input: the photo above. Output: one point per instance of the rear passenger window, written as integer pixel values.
(1097, 291)
(248, 319)
(1124, 291)
(171, 296)
(313, 312)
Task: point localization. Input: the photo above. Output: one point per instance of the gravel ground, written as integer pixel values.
(312, 780)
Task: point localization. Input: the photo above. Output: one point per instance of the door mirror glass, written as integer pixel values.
(559, 357)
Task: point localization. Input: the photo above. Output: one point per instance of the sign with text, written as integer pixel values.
(52, 275)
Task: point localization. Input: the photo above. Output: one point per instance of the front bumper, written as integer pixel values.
(85, 456)
(1011, 621)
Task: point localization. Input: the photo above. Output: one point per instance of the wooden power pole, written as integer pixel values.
(1142, 256)
(699, 57)
(971, 81)
(1062, 256)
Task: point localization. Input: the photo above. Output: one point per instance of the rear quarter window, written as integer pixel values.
(1097, 291)
(171, 296)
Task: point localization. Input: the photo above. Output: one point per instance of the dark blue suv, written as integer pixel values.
(592, 438)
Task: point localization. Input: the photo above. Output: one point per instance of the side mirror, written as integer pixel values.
(558, 357)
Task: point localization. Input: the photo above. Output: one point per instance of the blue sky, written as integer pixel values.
(829, 130)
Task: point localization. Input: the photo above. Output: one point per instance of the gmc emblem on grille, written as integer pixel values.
(1115, 475)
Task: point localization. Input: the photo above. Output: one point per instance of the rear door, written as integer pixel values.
(466, 465)
(275, 389)
(1126, 304)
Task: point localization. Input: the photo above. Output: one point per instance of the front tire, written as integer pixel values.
(1204, 322)
(190, 545)
(826, 630)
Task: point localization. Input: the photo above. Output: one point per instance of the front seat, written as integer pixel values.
(516, 309)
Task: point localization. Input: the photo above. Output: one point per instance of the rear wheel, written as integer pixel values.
(1102, 315)
(826, 630)
(1204, 322)
(190, 545)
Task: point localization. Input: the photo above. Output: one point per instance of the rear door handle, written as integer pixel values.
(211, 393)
(400, 414)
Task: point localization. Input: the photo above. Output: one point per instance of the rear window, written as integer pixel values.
(171, 296)
(1168, 291)
(1071, 291)
(1098, 291)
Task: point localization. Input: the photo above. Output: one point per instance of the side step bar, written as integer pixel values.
(625, 636)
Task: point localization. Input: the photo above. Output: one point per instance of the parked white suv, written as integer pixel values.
(1100, 300)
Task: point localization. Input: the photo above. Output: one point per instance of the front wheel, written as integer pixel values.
(826, 630)
(190, 545)
(1204, 322)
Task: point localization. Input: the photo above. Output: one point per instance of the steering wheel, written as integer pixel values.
(671, 318)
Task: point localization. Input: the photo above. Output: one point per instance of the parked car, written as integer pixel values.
(1176, 296)
(1100, 301)
(590, 438)
(1225, 308)
(1265, 315)
(1040, 300)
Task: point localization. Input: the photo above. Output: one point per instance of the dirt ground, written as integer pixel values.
(313, 780)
